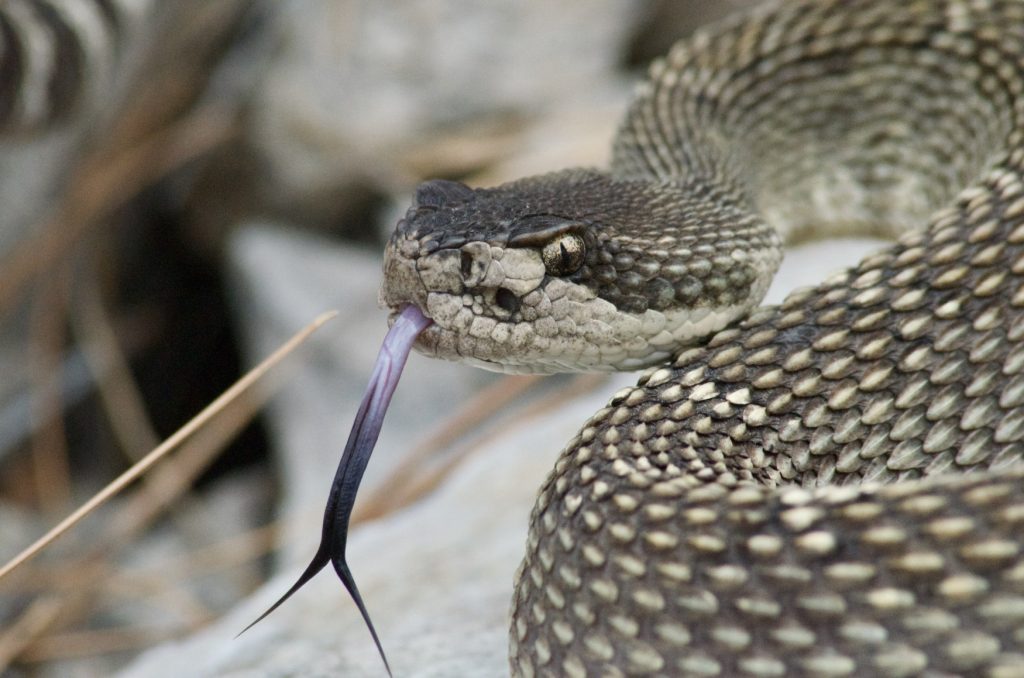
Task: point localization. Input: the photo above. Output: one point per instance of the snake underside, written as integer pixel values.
(830, 487)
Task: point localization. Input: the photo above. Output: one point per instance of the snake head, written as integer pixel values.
(560, 272)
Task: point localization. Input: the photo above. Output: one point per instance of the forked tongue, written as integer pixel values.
(361, 439)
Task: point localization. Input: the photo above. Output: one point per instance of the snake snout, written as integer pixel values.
(410, 276)
(441, 271)
(401, 283)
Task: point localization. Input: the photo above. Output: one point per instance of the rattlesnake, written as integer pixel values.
(829, 487)
(57, 56)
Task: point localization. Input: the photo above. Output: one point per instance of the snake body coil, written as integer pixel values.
(55, 54)
(829, 487)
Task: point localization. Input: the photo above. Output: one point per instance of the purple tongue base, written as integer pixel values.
(361, 439)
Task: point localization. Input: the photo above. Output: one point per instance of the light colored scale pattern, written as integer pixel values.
(834, 487)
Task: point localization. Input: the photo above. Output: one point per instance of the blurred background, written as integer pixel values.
(183, 185)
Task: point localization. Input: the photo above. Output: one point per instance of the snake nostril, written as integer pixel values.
(507, 300)
(466, 264)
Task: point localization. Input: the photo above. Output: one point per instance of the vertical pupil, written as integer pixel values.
(566, 257)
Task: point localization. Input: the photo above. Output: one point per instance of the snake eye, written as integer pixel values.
(564, 255)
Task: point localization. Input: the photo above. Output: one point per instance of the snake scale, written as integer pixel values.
(829, 487)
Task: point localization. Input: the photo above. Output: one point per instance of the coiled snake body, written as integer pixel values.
(55, 55)
(829, 487)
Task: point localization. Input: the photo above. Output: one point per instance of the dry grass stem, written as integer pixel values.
(147, 580)
(403, 485)
(162, 487)
(122, 402)
(199, 440)
(221, 555)
(50, 466)
(423, 471)
(94, 642)
(41, 613)
(200, 421)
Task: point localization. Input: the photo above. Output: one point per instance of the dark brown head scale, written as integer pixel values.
(441, 215)
(447, 214)
(441, 193)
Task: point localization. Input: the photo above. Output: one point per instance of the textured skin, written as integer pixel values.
(831, 487)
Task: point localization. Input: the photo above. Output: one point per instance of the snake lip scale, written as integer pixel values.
(829, 487)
